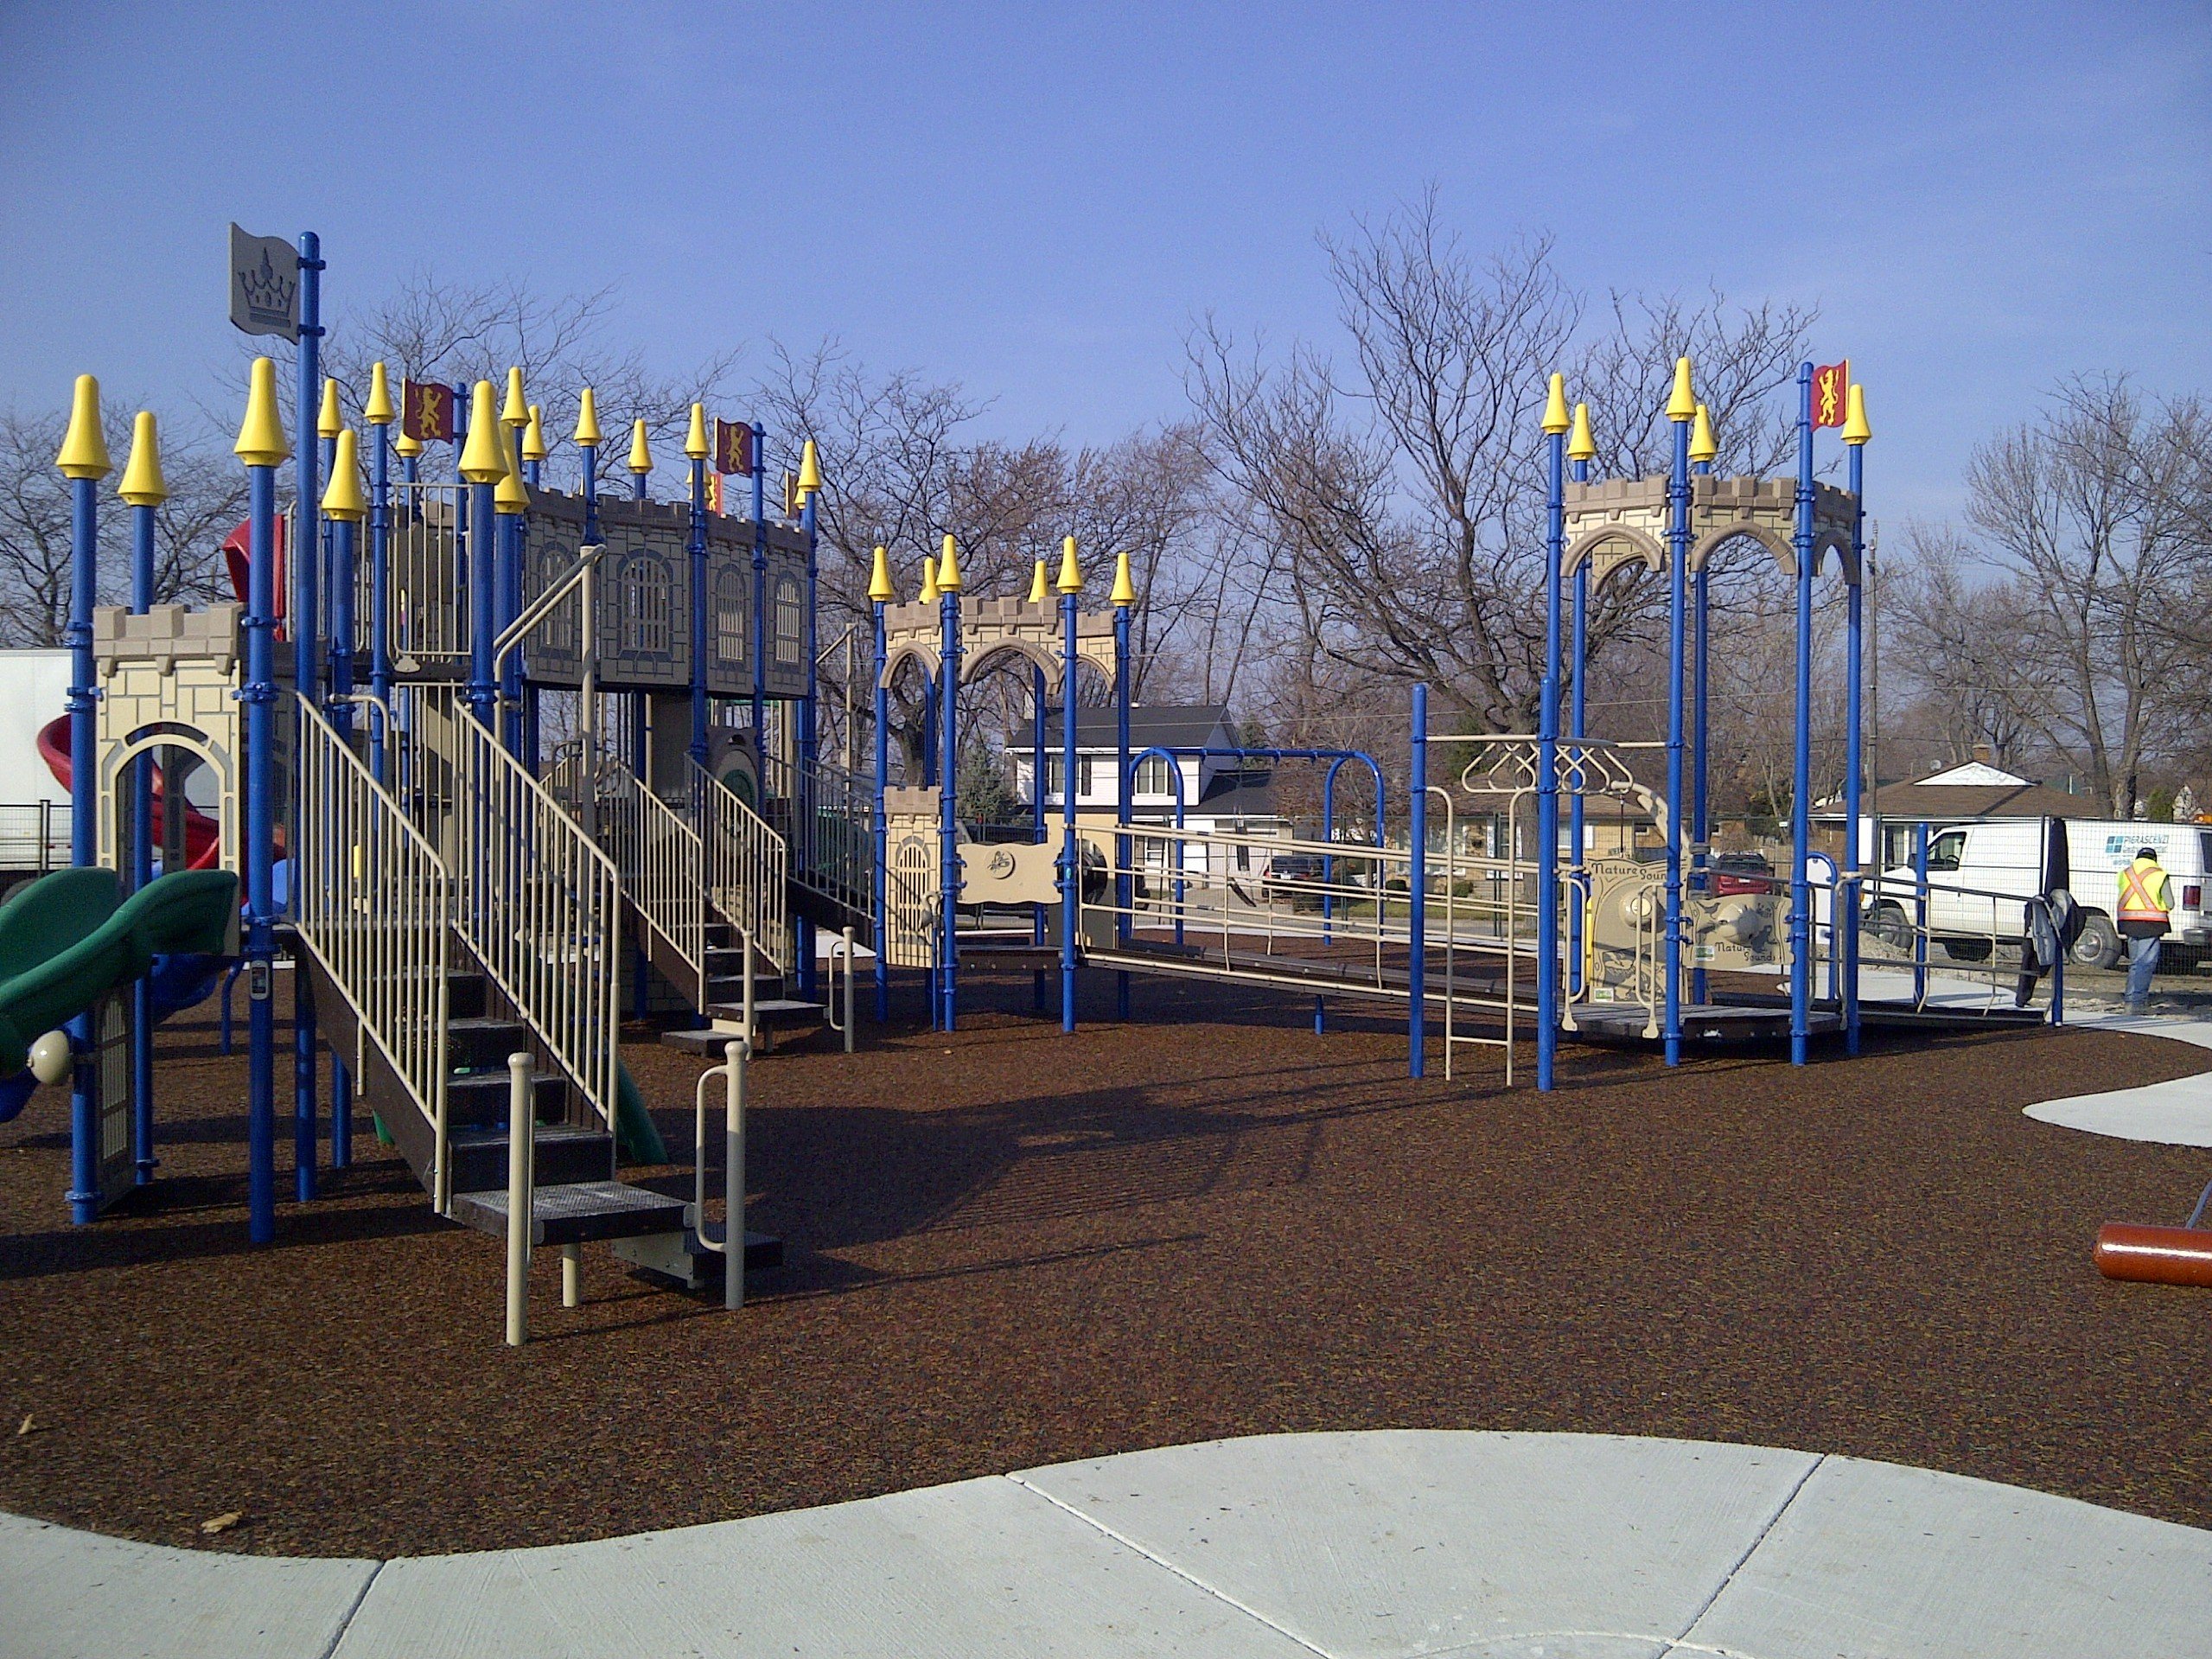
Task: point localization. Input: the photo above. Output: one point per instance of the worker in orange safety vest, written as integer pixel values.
(2146, 909)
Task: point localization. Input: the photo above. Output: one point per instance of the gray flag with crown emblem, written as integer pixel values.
(265, 285)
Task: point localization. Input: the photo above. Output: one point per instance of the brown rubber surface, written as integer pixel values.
(1011, 1248)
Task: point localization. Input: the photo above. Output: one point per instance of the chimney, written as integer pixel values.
(1986, 754)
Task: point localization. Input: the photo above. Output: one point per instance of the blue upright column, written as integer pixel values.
(306, 623)
(760, 584)
(379, 628)
(84, 462)
(948, 699)
(697, 549)
(343, 507)
(1547, 743)
(1800, 892)
(1699, 679)
(1679, 411)
(1417, 901)
(1844, 907)
(1124, 892)
(1578, 729)
(809, 745)
(1071, 856)
(882, 823)
(144, 488)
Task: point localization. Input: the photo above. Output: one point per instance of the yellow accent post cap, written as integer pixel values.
(810, 471)
(517, 413)
(511, 496)
(345, 499)
(332, 418)
(879, 580)
(533, 436)
(640, 452)
(482, 460)
(1555, 406)
(1071, 577)
(1855, 429)
(1580, 445)
(948, 569)
(261, 441)
(587, 417)
(929, 595)
(143, 484)
(378, 411)
(1039, 586)
(408, 448)
(84, 446)
(695, 439)
(1683, 406)
(1124, 591)
(1702, 447)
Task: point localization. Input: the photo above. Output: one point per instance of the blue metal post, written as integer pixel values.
(697, 748)
(1547, 768)
(260, 696)
(590, 452)
(1843, 912)
(760, 586)
(142, 871)
(1699, 859)
(84, 810)
(380, 674)
(1123, 886)
(1800, 892)
(809, 748)
(1678, 559)
(344, 544)
(1920, 913)
(1579, 728)
(948, 700)
(1417, 910)
(307, 623)
(883, 822)
(1038, 816)
(483, 624)
(1071, 857)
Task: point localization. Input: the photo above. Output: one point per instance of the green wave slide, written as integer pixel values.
(69, 939)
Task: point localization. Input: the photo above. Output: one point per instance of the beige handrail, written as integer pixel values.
(374, 906)
(661, 862)
(748, 866)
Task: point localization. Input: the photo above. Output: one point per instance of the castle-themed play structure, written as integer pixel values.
(488, 759)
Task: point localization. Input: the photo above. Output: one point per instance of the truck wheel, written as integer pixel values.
(1967, 950)
(1888, 924)
(2098, 944)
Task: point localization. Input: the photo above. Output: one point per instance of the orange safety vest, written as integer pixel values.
(2141, 887)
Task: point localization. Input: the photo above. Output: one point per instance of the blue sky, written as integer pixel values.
(1037, 201)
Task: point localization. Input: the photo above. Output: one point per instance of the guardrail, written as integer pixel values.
(747, 865)
(374, 905)
(826, 816)
(661, 862)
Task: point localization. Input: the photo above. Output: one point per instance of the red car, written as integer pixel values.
(1740, 872)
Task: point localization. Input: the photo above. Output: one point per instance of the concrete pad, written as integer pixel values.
(1420, 1542)
(2177, 1112)
(1876, 1559)
(65, 1594)
(984, 1567)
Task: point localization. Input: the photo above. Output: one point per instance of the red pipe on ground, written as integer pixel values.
(2155, 1255)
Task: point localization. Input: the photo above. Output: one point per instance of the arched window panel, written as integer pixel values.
(790, 623)
(647, 607)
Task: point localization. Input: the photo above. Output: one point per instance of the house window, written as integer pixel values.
(1055, 774)
(733, 617)
(787, 621)
(1152, 776)
(646, 607)
(1084, 784)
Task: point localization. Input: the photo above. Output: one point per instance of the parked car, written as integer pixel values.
(1741, 872)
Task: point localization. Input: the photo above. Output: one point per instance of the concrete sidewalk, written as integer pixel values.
(1474, 1545)
(2177, 1112)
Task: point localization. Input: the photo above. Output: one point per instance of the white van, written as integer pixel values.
(1972, 868)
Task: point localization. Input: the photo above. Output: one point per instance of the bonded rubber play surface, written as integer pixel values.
(1008, 1249)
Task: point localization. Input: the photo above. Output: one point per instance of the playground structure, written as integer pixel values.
(531, 750)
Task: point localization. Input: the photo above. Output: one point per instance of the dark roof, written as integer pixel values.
(1233, 794)
(1933, 801)
(1165, 726)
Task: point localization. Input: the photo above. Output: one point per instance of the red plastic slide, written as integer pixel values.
(203, 841)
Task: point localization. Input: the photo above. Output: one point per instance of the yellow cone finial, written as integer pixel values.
(331, 417)
(1039, 586)
(879, 580)
(345, 499)
(1855, 429)
(482, 461)
(143, 485)
(1702, 447)
(929, 595)
(1071, 577)
(1580, 445)
(261, 441)
(1555, 405)
(533, 436)
(517, 413)
(511, 496)
(948, 569)
(1124, 591)
(695, 439)
(84, 446)
(587, 419)
(1683, 406)
(810, 471)
(640, 452)
(378, 411)
(407, 447)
